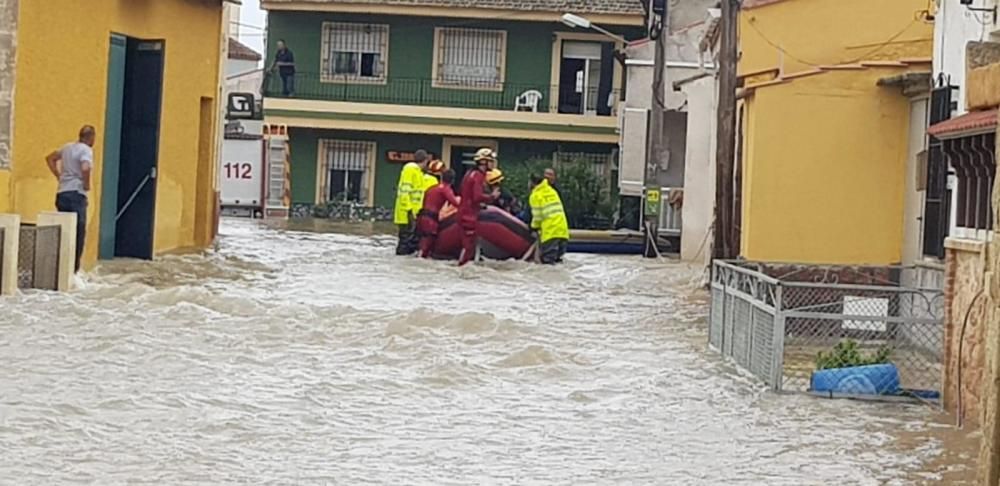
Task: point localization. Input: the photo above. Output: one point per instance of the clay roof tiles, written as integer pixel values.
(973, 121)
(239, 51)
(626, 7)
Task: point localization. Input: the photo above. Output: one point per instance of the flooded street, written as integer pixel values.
(292, 357)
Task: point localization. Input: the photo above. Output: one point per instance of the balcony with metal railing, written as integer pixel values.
(426, 92)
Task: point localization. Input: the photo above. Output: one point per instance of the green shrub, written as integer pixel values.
(585, 195)
(846, 354)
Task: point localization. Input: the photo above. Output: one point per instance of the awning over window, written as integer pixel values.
(972, 123)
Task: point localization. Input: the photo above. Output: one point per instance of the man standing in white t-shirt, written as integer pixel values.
(73, 173)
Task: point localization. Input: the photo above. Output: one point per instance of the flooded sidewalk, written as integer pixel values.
(293, 357)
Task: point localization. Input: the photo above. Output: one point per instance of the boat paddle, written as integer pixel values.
(530, 254)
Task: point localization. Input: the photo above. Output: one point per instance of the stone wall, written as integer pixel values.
(981, 54)
(989, 452)
(8, 44)
(964, 351)
(982, 75)
(341, 212)
(983, 88)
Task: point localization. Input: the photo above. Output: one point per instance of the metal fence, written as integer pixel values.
(506, 96)
(838, 331)
(38, 257)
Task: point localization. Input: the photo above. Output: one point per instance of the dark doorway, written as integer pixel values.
(571, 85)
(605, 95)
(139, 148)
(586, 78)
(462, 159)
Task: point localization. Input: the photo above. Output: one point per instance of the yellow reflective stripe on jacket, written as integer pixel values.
(427, 181)
(410, 178)
(547, 213)
(551, 209)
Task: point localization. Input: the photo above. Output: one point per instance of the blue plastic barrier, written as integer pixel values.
(882, 379)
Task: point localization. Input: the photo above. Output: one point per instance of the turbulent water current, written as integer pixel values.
(313, 356)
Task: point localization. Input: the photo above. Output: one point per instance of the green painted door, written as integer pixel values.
(112, 145)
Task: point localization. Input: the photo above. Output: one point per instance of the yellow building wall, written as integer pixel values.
(832, 32)
(982, 87)
(61, 84)
(825, 160)
(6, 205)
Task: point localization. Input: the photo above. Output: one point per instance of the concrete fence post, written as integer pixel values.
(11, 225)
(67, 245)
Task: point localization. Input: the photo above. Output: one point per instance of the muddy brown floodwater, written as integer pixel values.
(311, 357)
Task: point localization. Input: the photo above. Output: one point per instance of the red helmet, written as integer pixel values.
(435, 167)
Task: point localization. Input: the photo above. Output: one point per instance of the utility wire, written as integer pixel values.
(249, 26)
(862, 57)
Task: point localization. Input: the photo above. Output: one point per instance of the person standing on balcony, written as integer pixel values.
(72, 165)
(409, 191)
(284, 64)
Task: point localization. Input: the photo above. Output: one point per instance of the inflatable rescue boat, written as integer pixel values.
(501, 235)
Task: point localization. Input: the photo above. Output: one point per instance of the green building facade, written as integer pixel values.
(375, 83)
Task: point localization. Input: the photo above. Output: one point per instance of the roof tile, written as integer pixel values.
(969, 122)
(239, 51)
(626, 7)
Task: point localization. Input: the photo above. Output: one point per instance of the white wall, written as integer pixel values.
(682, 63)
(954, 27)
(245, 82)
(913, 203)
(684, 13)
(234, 19)
(239, 66)
(699, 171)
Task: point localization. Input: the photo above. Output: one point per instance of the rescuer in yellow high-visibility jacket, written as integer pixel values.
(549, 218)
(409, 189)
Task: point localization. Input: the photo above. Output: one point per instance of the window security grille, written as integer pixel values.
(346, 169)
(974, 163)
(354, 52)
(472, 58)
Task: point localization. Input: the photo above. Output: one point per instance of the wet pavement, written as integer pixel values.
(317, 357)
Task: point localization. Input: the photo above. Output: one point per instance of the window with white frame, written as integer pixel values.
(470, 58)
(354, 52)
(973, 160)
(346, 171)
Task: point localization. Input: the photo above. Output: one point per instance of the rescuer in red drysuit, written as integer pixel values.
(434, 200)
(474, 195)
